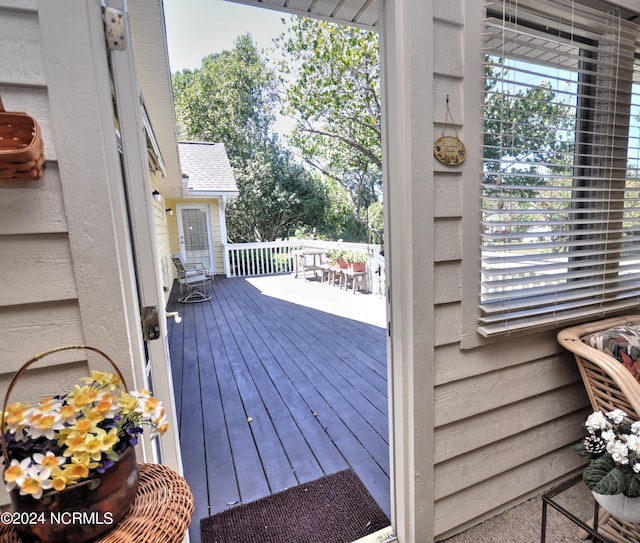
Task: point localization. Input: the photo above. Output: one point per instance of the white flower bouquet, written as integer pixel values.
(613, 446)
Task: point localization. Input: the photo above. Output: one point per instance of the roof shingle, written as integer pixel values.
(208, 167)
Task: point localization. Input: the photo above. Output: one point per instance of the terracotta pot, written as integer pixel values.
(81, 512)
(358, 266)
(620, 506)
(341, 264)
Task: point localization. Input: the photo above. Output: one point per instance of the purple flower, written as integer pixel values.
(106, 464)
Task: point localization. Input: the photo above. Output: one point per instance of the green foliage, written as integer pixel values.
(376, 219)
(276, 196)
(612, 448)
(603, 477)
(355, 257)
(528, 137)
(232, 99)
(336, 102)
(336, 254)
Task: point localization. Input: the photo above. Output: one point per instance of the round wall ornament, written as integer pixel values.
(449, 150)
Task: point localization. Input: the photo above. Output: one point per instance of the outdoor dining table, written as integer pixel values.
(300, 261)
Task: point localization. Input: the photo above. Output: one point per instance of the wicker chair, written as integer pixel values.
(609, 385)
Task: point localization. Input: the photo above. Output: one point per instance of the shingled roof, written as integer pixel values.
(207, 165)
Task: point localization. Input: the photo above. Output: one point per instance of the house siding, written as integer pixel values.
(38, 295)
(164, 223)
(505, 413)
(61, 243)
(174, 242)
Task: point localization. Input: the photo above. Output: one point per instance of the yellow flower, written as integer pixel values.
(73, 443)
(59, 479)
(68, 414)
(46, 405)
(105, 405)
(128, 403)
(109, 380)
(83, 459)
(110, 439)
(83, 426)
(44, 424)
(34, 483)
(95, 444)
(15, 416)
(81, 396)
(15, 472)
(75, 470)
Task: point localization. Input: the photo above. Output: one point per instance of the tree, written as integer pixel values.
(335, 100)
(528, 134)
(276, 197)
(232, 99)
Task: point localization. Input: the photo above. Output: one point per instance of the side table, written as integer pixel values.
(161, 511)
(548, 499)
(605, 529)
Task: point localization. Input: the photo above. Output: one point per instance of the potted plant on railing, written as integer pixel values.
(613, 473)
(74, 453)
(338, 257)
(356, 261)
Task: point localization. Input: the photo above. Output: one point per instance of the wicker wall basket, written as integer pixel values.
(21, 146)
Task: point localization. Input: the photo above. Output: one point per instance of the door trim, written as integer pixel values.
(207, 211)
(137, 183)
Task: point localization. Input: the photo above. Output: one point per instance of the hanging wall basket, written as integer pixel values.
(21, 146)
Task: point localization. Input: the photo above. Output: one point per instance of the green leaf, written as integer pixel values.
(632, 485)
(603, 477)
(579, 448)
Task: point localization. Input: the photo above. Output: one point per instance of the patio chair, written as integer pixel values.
(608, 356)
(192, 277)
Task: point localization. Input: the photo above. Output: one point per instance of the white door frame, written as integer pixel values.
(406, 32)
(207, 210)
(142, 227)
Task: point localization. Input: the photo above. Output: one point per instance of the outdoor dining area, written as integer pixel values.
(338, 267)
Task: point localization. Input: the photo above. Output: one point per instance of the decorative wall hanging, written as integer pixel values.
(21, 146)
(449, 150)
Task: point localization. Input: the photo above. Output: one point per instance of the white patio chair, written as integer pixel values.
(192, 277)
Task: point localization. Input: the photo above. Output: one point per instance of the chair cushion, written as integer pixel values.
(621, 342)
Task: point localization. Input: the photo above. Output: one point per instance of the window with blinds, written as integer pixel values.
(561, 170)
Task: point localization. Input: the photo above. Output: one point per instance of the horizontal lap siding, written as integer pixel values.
(38, 297)
(506, 413)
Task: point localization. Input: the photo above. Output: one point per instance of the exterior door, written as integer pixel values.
(154, 368)
(194, 229)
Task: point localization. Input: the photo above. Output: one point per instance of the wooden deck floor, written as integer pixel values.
(271, 393)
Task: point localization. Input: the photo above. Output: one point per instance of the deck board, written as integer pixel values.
(272, 392)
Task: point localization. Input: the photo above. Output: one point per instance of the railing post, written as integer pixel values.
(373, 277)
(227, 266)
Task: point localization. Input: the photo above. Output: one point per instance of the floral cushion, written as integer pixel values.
(622, 343)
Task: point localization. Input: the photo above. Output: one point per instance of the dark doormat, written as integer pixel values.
(333, 509)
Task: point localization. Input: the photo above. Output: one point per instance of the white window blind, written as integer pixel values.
(561, 170)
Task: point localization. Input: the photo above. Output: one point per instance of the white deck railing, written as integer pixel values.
(276, 257)
(263, 258)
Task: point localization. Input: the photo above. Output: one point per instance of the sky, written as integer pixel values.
(197, 28)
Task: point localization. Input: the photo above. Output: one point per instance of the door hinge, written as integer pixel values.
(114, 29)
(150, 322)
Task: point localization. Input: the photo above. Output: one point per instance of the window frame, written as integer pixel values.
(472, 273)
